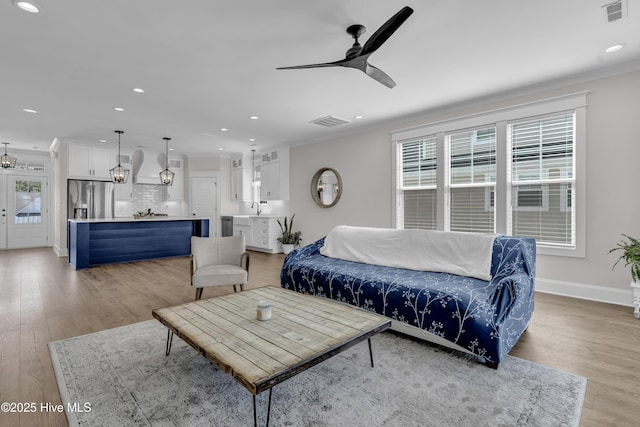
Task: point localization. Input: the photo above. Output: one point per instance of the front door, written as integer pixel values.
(26, 211)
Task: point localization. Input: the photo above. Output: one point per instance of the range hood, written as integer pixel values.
(147, 171)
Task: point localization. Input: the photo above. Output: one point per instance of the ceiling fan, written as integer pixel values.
(357, 56)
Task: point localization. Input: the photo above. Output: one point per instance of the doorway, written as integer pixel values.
(23, 210)
(204, 201)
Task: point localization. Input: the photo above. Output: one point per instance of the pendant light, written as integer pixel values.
(166, 176)
(7, 161)
(119, 175)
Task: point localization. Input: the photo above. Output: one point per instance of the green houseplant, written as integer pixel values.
(630, 255)
(289, 238)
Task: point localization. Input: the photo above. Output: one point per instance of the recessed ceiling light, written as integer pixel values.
(358, 117)
(137, 90)
(220, 149)
(224, 129)
(251, 139)
(118, 108)
(29, 110)
(27, 6)
(171, 149)
(253, 117)
(102, 140)
(614, 48)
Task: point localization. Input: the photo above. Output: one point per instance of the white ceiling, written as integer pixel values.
(209, 64)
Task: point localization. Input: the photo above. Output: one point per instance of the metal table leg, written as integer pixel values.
(370, 352)
(255, 415)
(169, 342)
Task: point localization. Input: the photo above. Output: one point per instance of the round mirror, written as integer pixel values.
(326, 187)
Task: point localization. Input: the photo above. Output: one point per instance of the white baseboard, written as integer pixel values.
(587, 292)
(60, 252)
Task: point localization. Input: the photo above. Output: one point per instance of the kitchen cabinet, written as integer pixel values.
(265, 232)
(241, 178)
(242, 227)
(90, 162)
(261, 232)
(274, 174)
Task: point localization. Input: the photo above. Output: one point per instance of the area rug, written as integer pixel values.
(122, 377)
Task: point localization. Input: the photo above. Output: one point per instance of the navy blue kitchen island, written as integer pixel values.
(107, 241)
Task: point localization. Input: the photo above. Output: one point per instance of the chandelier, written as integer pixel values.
(166, 176)
(119, 175)
(6, 160)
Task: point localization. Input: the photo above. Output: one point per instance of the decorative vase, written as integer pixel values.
(636, 298)
(286, 248)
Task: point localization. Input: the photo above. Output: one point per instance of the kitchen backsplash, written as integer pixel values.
(272, 207)
(146, 197)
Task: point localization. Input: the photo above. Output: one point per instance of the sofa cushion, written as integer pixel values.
(464, 254)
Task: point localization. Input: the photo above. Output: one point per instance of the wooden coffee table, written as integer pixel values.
(302, 332)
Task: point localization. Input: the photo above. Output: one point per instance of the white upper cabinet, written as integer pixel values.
(91, 162)
(241, 177)
(274, 174)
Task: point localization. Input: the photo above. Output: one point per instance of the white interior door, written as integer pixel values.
(27, 215)
(204, 201)
(3, 212)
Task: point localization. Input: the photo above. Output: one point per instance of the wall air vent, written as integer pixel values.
(330, 121)
(615, 11)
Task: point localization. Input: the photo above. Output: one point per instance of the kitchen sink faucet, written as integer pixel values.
(258, 210)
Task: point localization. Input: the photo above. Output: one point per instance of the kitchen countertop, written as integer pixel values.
(128, 219)
(257, 216)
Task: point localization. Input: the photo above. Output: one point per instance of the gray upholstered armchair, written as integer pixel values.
(218, 261)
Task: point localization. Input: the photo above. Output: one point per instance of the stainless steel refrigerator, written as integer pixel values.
(89, 199)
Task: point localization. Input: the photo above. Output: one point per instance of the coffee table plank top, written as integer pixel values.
(303, 331)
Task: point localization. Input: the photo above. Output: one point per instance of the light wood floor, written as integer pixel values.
(43, 299)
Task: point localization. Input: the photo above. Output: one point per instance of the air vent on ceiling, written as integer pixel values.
(330, 121)
(616, 10)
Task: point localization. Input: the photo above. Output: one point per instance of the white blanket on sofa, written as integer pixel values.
(465, 254)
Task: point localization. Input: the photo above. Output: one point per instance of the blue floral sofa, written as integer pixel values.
(481, 317)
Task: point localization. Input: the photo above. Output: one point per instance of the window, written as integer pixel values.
(472, 175)
(515, 171)
(542, 164)
(418, 183)
(28, 198)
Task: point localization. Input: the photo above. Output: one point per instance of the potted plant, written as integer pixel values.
(630, 255)
(289, 239)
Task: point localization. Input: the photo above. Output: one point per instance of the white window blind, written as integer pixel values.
(472, 179)
(420, 209)
(418, 183)
(543, 178)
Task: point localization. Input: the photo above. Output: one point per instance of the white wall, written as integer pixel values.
(613, 174)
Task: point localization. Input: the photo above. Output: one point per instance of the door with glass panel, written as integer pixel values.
(26, 212)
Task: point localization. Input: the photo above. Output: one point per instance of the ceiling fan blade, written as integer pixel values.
(379, 75)
(327, 64)
(381, 35)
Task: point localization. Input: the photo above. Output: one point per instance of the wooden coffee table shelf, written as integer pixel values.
(302, 332)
